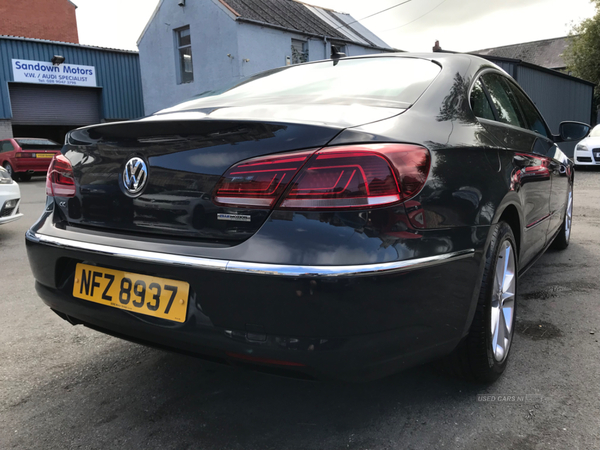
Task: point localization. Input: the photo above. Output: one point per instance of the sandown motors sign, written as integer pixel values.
(41, 72)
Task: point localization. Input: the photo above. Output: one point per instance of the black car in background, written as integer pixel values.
(342, 219)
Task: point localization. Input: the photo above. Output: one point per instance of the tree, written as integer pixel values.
(583, 54)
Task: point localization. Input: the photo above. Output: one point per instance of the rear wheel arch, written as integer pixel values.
(511, 216)
(479, 357)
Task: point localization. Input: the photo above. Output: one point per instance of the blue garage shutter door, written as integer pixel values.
(54, 105)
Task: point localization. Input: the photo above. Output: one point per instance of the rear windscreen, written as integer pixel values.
(386, 81)
(23, 142)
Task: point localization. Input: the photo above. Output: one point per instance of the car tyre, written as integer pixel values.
(563, 237)
(10, 170)
(482, 356)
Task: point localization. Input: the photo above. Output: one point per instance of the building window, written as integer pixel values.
(341, 48)
(184, 50)
(299, 51)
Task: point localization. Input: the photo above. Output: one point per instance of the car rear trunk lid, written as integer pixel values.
(185, 160)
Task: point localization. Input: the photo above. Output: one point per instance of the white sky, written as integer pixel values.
(459, 25)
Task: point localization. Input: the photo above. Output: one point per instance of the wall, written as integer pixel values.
(41, 19)
(117, 72)
(558, 99)
(223, 51)
(5, 129)
(267, 48)
(357, 50)
(508, 67)
(569, 99)
(213, 37)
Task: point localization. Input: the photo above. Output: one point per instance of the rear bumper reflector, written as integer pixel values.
(284, 270)
(276, 362)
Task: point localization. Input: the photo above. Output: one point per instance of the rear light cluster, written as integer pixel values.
(356, 176)
(259, 182)
(59, 180)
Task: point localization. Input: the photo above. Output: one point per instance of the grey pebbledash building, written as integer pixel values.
(191, 46)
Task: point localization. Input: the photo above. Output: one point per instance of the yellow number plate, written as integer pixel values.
(44, 155)
(152, 296)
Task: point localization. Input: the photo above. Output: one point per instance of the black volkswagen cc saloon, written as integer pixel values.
(340, 219)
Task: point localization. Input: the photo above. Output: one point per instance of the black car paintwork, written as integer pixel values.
(443, 121)
(348, 328)
(476, 176)
(300, 307)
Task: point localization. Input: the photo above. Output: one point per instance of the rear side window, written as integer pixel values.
(504, 100)
(480, 103)
(532, 116)
(6, 146)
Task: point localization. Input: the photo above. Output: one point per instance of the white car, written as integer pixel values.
(10, 198)
(587, 151)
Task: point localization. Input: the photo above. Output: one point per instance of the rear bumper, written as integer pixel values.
(31, 165)
(346, 322)
(354, 358)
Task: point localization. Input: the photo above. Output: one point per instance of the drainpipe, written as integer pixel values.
(325, 55)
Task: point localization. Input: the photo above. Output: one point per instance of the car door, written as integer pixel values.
(526, 158)
(557, 161)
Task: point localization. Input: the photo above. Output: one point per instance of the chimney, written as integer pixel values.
(436, 47)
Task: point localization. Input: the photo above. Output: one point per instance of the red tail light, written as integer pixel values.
(355, 176)
(276, 362)
(59, 181)
(259, 182)
(359, 176)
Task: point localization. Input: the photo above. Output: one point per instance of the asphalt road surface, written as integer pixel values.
(66, 387)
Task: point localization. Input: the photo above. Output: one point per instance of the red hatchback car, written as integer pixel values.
(24, 157)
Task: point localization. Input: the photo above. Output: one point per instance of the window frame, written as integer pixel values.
(514, 86)
(521, 114)
(487, 96)
(9, 142)
(303, 54)
(181, 79)
(518, 114)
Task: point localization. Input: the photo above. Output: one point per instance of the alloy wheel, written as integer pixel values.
(503, 302)
(569, 216)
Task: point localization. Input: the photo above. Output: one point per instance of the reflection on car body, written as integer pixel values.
(24, 157)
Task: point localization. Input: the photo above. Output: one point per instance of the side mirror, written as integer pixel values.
(572, 131)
